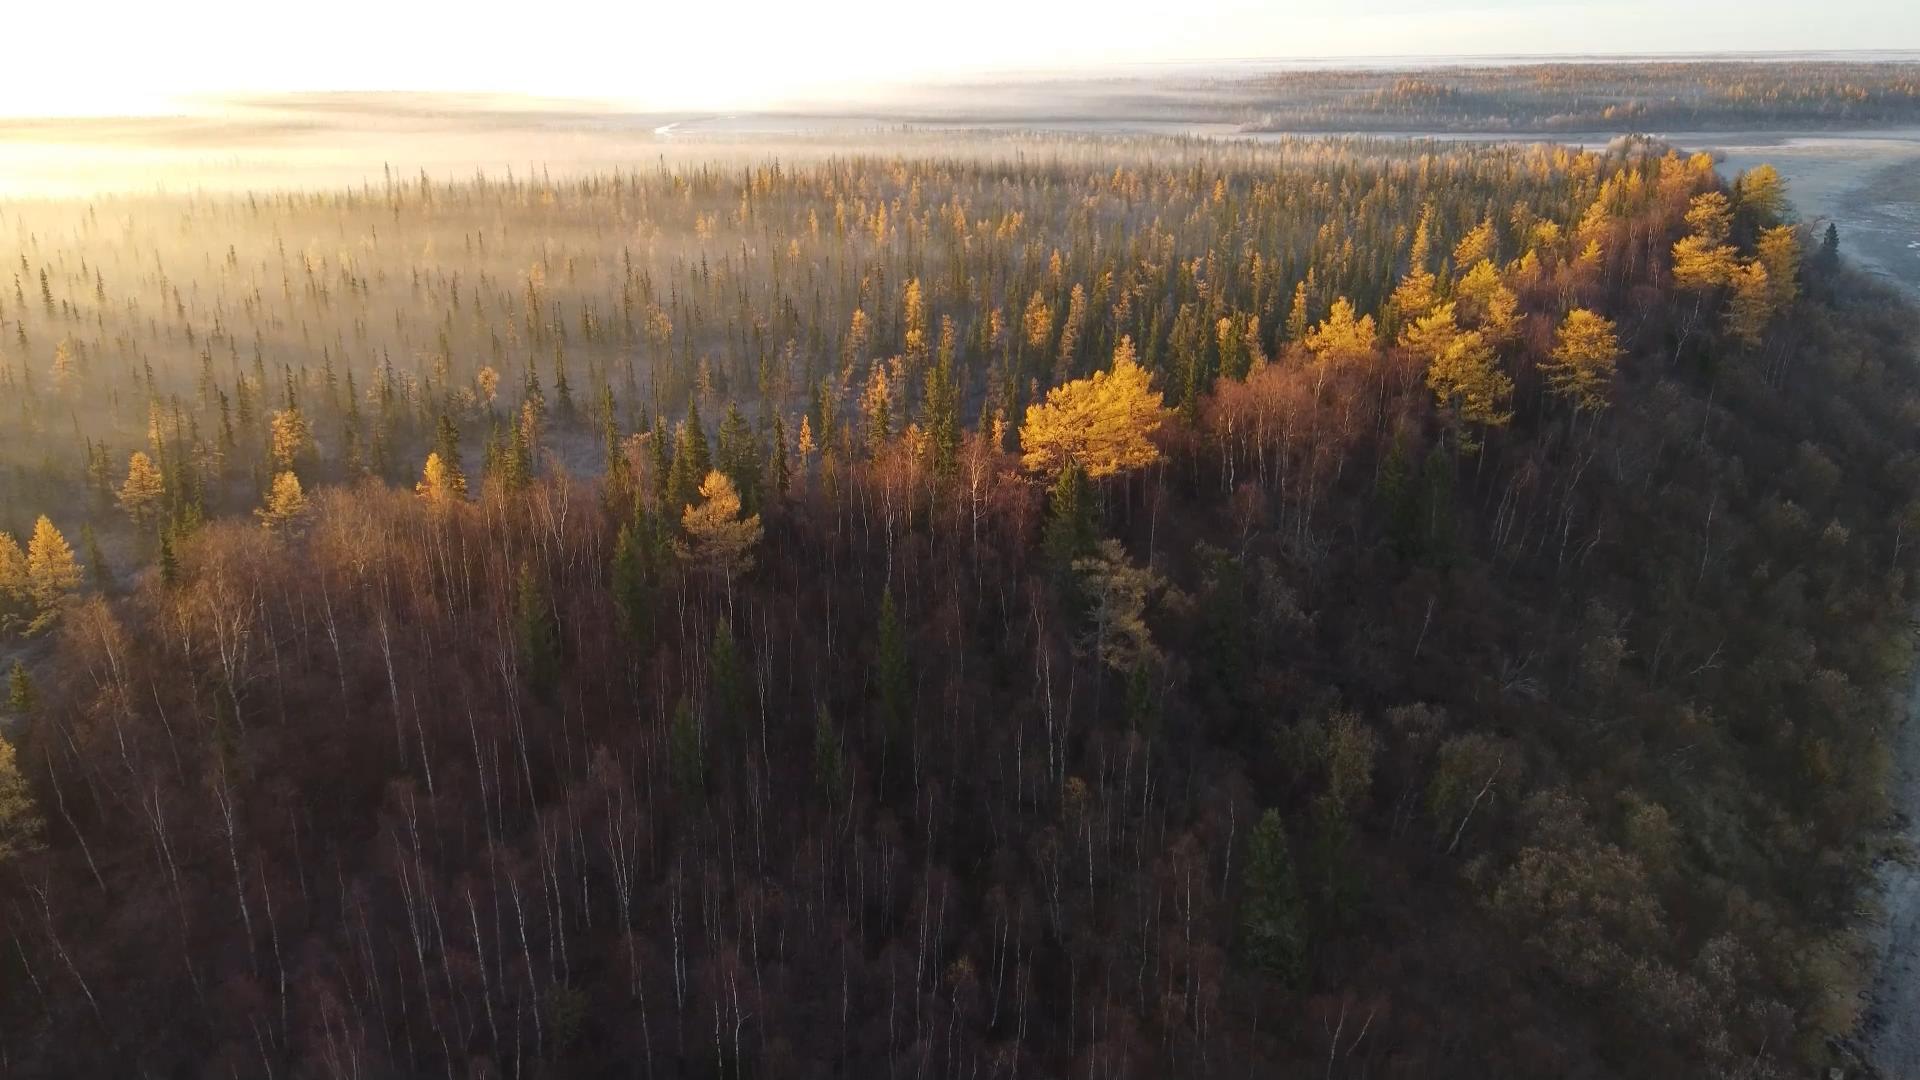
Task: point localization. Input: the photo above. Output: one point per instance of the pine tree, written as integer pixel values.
(169, 563)
(1297, 317)
(943, 407)
(97, 567)
(691, 460)
(1272, 931)
(1070, 531)
(738, 455)
(829, 760)
(686, 759)
(633, 580)
(779, 471)
(536, 633)
(446, 446)
(661, 455)
(21, 698)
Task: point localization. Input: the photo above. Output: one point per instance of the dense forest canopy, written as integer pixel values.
(1012, 608)
(1583, 96)
(1639, 95)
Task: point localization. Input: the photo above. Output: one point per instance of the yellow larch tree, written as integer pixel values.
(1476, 246)
(1779, 252)
(16, 597)
(53, 574)
(718, 540)
(291, 436)
(1703, 260)
(1342, 336)
(1585, 353)
(1037, 323)
(438, 484)
(1104, 423)
(1431, 335)
(20, 822)
(1466, 380)
(286, 507)
(141, 492)
(1486, 303)
(1753, 306)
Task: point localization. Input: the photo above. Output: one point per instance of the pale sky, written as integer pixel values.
(81, 57)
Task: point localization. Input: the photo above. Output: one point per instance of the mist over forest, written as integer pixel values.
(1132, 575)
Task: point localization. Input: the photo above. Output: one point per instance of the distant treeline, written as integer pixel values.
(1585, 97)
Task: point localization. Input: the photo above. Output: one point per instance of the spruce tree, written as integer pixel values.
(1272, 917)
(538, 635)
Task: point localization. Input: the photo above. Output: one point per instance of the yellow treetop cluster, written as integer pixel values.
(1105, 424)
(438, 484)
(286, 507)
(717, 538)
(1342, 336)
(1585, 351)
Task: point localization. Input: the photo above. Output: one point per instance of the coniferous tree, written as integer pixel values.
(97, 567)
(286, 506)
(829, 761)
(143, 492)
(536, 632)
(779, 471)
(20, 823)
(943, 407)
(16, 592)
(446, 446)
(1272, 916)
(53, 574)
(727, 683)
(686, 757)
(21, 697)
(1070, 530)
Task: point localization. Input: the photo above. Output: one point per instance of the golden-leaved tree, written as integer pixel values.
(437, 483)
(16, 599)
(286, 507)
(142, 491)
(1585, 352)
(1753, 305)
(1467, 382)
(718, 540)
(1703, 259)
(53, 574)
(19, 820)
(1104, 424)
(1342, 336)
(291, 437)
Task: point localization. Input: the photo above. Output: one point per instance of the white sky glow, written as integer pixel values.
(102, 57)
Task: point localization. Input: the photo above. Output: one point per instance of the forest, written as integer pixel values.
(1485, 96)
(1010, 606)
(1623, 95)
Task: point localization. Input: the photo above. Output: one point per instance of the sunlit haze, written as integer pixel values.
(104, 57)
